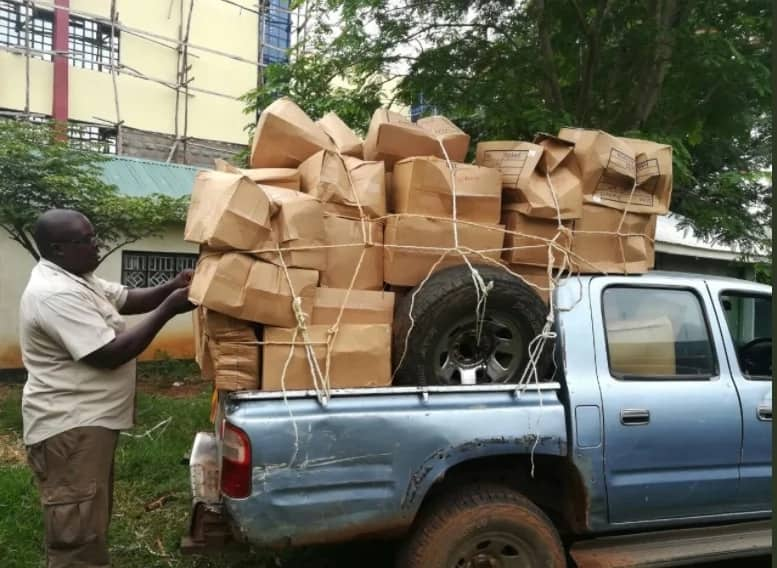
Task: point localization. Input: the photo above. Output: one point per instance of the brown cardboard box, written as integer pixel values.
(245, 288)
(424, 186)
(287, 178)
(455, 140)
(234, 349)
(534, 238)
(297, 224)
(409, 266)
(559, 197)
(654, 177)
(362, 306)
(227, 211)
(392, 137)
(201, 353)
(360, 357)
(342, 261)
(345, 140)
(597, 249)
(285, 137)
(525, 169)
(608, 166)
(510, 157)
(345, 183)
(390, 192)
(535, 276)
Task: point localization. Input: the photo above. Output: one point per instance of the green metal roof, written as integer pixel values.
(138, 177)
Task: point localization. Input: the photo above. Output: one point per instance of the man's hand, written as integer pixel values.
(178, 302)
(143, 300)
(183, 278)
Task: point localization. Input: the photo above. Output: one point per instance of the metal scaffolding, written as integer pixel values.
(185, 49)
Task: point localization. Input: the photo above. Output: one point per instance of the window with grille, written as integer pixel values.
(89, 44)
(143, 269)
(277, 32)
(89, 41)
(14, 19)
(92, 137)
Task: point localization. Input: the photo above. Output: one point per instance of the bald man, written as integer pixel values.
(80, 388)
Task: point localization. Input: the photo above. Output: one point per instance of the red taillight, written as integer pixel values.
(235, 463)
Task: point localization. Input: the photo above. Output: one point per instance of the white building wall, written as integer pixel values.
(175, 340)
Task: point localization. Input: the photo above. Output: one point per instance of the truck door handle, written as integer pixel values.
(765, 412)
(635, 417)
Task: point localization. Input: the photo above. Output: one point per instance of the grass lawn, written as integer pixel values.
(148, 467)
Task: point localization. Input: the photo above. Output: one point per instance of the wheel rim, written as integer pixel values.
(493, 550)
(460, 359)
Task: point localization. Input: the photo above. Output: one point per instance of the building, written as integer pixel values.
(144, 78)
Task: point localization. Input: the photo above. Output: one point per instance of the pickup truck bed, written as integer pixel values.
(365, 464)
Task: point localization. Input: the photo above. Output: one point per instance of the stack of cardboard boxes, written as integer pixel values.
(583, 199)
(266, 260)
(324, 222)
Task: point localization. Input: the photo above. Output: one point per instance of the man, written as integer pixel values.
(80, 387)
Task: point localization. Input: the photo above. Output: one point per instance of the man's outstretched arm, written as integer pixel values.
(129, 344)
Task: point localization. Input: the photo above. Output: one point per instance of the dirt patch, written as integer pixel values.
(12, 449)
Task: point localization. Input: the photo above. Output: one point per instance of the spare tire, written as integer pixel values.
(442, 347)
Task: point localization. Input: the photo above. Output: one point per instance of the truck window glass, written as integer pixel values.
(656, 333)
(749, 319)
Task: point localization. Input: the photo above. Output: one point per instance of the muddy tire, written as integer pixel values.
(483, 525)
(442, 346)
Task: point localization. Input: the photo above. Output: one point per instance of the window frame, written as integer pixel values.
(276, 30)
(92, 61)
(40, 48)
(104, 140)
(725, 328)
(661, 378)
(146, 254)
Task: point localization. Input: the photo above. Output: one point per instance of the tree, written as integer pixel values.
(692, 73)
(39, 171)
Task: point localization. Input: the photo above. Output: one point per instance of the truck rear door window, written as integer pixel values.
(657, 333)
(749, 320)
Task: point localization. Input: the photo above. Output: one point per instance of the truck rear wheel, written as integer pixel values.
(443, 348)
(483, 526)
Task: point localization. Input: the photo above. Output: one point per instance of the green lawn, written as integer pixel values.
(147, 468)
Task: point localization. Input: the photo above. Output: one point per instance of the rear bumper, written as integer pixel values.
(210, 529)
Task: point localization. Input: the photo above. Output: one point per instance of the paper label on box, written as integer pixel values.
(621, 162)
(619, 195)
(509, 162)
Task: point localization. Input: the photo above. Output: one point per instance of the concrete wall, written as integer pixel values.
(175, 340)
(145, 105)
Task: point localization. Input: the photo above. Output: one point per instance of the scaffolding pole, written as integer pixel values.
(27, 25)
(185, 78)
(114, 80)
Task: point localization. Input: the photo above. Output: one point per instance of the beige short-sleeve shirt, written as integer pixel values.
(63, 318)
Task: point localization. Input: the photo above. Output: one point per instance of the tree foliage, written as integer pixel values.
(39, 171)
(691, 73)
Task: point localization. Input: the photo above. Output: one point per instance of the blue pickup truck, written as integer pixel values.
(647, 442)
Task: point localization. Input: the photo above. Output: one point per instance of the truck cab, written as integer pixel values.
(647, 441)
